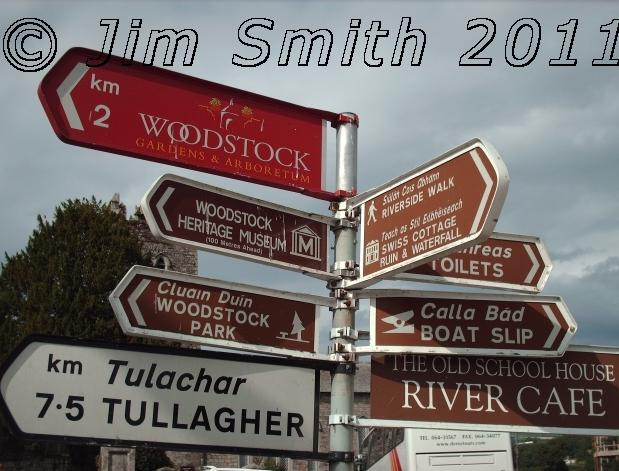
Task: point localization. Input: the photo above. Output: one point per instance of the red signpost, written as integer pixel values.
(452, 202)
(167, 117)
(181, 211)
(174, 306)
(577, 393)
(503, 261)
(467, 323)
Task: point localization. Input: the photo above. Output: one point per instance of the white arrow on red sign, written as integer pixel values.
(167, 117)
(149, 302)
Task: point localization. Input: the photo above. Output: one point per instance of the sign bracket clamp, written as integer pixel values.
(341, 456)
(344, 299)
(345, 268)
(343, 354)
(343, 419)
(345, 216)
(347, 333)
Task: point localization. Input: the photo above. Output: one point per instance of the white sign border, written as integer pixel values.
(316, 365)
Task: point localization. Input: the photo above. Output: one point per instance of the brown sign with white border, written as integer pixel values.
(576, 393)
(468, 323)
(149, 302)
(503, 261)
(451, 202)
(182, 211)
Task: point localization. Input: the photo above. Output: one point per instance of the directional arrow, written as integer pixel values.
(535, 264)
(160, 204)
(167, 117)
(132, 299)
(556, 326)
(64, 94)
(149, 302)
(503, 261)
(469, 323)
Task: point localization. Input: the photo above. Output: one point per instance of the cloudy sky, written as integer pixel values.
(555, 127)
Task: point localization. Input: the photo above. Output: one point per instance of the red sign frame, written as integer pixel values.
(167, 117)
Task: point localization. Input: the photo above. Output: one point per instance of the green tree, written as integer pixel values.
(59, 285)
(550, 454)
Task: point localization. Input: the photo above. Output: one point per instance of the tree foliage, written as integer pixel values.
(59, 285)
(550, 454)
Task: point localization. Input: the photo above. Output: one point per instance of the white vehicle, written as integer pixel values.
(391, 449)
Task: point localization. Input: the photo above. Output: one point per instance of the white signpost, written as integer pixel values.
(78, 391)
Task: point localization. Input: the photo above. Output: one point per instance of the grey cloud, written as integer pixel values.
(591, 299)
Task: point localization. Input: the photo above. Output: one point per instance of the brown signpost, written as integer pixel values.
(182, 211)
(167, 117)
(577, 393)
(468, 323)
(450, 203)
(149, 302)
(503, 261)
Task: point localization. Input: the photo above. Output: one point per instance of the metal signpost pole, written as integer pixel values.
(342, 332)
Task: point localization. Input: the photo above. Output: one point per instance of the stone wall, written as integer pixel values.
(179, 258)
